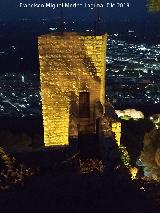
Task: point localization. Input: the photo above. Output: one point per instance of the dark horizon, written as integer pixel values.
(133, 10)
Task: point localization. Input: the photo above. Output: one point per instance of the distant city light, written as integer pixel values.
(14, 47)
(23, 78)
(132, 77)
(53, 28)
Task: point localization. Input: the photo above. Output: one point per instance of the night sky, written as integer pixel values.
(10, 10)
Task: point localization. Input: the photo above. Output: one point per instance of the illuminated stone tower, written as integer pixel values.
(154, 5)
(72, 76)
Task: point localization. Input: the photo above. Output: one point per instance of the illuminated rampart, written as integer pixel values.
(116, 129)
(69, 64)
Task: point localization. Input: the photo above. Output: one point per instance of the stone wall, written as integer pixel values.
(154, 5)
(116, 129)
(69, 64)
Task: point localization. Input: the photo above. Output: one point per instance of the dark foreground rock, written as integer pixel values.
(76, 193)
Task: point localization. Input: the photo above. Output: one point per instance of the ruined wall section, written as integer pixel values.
(69, 64)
